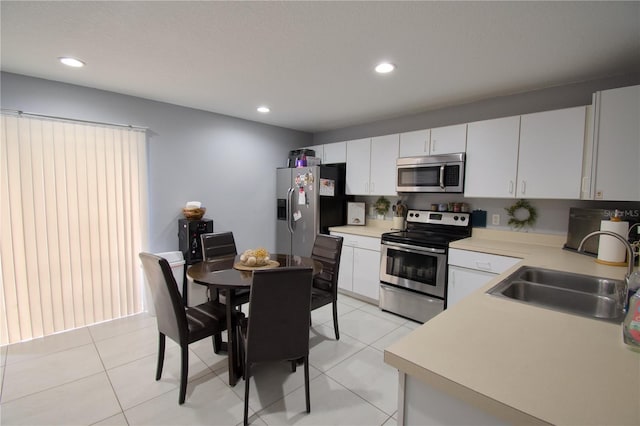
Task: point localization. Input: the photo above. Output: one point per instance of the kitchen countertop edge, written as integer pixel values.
(551, 336)
(374, 228)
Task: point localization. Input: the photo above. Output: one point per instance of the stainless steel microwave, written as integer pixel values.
(432, 173)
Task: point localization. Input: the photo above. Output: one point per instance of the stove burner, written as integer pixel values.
(431, 229)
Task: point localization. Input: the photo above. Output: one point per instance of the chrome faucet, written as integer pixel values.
(630, 259)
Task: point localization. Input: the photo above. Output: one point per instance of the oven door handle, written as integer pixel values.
(412, 249)
(442, 177)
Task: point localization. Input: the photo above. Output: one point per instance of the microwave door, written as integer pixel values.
(437, 173)
(418, 179)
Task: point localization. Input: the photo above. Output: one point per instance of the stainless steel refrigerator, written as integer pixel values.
(309, 201)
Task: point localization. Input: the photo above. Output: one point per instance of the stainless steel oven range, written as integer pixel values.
(413, 263)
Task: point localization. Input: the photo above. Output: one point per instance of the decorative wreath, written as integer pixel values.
(522, 223)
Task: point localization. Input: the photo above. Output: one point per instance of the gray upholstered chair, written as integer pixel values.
(222, 246)
(182, 324)
(327, 250)
(278, 324)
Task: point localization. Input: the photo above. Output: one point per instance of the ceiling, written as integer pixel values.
(312, 62)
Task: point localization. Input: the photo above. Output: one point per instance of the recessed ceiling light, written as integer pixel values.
(263, 109)
(385, 67)
(71, 62)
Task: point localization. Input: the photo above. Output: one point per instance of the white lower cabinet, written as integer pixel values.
(360, 265)
(463, 282)
(422, 404)
(470, 270)
(366, 273)
(345, 274)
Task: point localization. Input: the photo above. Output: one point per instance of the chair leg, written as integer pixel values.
(161, 344)
(247, 377)
(184, 372)
(217, 343)
(335, 319)
(306, 383)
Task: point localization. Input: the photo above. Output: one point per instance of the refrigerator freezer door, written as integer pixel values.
(306, 223)
(284, 186)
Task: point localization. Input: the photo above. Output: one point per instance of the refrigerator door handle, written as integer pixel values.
(289, 207)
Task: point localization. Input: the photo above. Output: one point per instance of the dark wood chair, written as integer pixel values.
(222, 246)
(182, 324)
(278, 325)
(218, 245)
(327, 250)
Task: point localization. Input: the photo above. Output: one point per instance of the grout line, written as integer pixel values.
(215, 373)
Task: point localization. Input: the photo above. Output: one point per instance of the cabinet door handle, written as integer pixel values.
(433, 147)
(510, 187)
(372, 187)
(427, 146)
(524, 187)
(483, 266)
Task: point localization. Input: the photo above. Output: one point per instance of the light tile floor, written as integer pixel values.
(104, 375)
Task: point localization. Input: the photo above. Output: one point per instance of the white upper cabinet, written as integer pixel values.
(449, 139)
(330, 153)
(533, 156)
(441, 140)
(616, 141)
(319, 150)
(550, 156)
(384, 153)
(371, 165)
(358, 166)
(415, 144)
(335, 153)
(492, 158)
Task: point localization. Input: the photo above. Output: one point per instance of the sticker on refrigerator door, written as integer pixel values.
(297, 215)
(327, 187)
(302, 198)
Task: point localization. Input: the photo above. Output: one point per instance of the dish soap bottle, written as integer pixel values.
(631, 324)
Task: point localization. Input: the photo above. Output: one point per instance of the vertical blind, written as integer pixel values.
(73, 218)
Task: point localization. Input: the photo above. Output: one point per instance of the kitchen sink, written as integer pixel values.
(584, 295)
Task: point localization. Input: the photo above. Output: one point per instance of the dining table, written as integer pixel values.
(227, 275)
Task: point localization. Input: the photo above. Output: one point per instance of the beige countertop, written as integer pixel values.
(523, 363)
(373, 228)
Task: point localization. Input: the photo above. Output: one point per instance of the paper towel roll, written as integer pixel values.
(611, 249)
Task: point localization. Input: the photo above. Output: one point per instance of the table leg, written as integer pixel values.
(232, 337)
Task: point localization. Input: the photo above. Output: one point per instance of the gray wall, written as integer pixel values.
(226, 163)
(504, 106)
(553, 215)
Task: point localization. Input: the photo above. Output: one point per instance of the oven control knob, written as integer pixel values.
(417, 214)
(455, 218)
(463, 218)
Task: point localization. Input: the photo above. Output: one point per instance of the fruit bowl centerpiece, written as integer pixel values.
(257, 257)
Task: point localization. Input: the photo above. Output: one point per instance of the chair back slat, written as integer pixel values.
(170, 312)
(327, 250)
(218, 245)
(279, 314)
